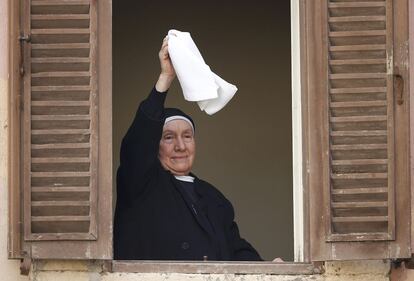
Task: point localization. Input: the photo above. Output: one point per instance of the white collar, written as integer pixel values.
(185, 178)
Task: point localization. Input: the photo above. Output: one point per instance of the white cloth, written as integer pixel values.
(185, 178)
(197, 81)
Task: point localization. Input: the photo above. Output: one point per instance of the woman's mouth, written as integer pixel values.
(179, 157)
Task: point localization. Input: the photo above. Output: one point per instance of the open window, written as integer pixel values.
(354, 115)
(245, 149)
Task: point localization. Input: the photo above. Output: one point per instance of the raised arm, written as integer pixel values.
(139, 148)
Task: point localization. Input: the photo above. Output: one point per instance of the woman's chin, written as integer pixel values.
(180, 171)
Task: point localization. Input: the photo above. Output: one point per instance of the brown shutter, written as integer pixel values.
(65, 140)
(358, 128)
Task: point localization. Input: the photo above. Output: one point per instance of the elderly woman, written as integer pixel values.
(163, 211)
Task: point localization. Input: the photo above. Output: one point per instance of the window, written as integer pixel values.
(245, 149)
(354, 83)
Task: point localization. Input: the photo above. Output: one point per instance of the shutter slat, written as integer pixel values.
(61, 145)
(358, 133)
(61, 88)
(353, 191)
(358, 104)
(60, 103)
(61, 160)
(360, 162)
(60, 31)
(60, 189)
(61, 117)
(59, 3)
(359, 204)
(359, 119)
(357, 61)
(357, 19)
(371, 47)
(357, 33)
(59, 174)
(359, 4)
(358, 76)
(60, 203)
(61, 132)
(358, 146)
(60, 60)
(361, 176)
(61, 46)
(61, 74)
(60, 218)
(61, 17)
(358, 90)
(361, 219)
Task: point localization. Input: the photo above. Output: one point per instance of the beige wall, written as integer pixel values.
(244, 150)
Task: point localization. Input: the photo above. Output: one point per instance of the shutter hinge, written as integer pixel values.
(25, 264)
(23, 39)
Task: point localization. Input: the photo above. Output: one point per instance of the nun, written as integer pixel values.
(163, 211)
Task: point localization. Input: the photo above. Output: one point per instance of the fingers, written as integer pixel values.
(164, 43)
(163, 53)
(164, 46)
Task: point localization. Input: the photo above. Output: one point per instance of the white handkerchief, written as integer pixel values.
(197, 81)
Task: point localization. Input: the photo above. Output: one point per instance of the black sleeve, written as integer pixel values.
(139, 147)
(242, 250)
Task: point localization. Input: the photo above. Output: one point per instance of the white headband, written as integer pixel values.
(175, 117)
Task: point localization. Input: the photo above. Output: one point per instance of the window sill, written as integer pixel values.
(210, 267)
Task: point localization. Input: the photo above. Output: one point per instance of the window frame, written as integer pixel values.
(302, 264)
(15, 206)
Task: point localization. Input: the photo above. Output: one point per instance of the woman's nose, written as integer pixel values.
(179, 145)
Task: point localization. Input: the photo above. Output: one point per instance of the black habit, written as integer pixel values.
(155, 219)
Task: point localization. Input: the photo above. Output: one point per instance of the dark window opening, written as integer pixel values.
(245, 150)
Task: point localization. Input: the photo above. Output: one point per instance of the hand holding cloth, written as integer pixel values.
(198, 82)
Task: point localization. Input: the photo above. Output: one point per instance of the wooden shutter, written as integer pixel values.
(358, 128)
(66, 147)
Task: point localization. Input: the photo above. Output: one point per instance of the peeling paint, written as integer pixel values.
(390, 62)
(336, 271)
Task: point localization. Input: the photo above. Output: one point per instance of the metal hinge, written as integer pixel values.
(23, 39)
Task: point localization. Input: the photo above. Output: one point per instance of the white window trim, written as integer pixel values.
(298, 210)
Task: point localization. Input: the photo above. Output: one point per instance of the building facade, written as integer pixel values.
(56, 184)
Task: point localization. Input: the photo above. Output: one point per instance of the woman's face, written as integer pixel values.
(177, 147)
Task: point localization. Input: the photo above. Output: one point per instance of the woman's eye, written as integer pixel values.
(168, 137)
